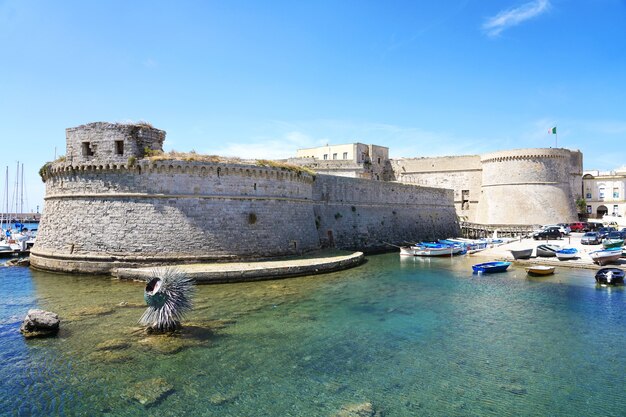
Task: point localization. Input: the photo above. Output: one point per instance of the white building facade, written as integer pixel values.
(605, 192)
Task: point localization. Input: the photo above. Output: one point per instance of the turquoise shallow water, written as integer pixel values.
(412, 337)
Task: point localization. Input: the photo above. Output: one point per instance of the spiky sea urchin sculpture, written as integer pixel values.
(168, 294)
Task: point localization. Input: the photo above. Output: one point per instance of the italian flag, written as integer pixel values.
(552, 131)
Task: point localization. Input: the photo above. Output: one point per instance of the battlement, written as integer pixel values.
(102, 142)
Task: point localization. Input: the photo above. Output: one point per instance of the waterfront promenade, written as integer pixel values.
(573, 241)
(209, 273)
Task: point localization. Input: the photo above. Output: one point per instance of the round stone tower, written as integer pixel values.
(528, 186)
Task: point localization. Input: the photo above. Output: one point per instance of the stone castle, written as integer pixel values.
(513, 187)
(110, 203)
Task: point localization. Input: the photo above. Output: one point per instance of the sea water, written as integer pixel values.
(413, 336)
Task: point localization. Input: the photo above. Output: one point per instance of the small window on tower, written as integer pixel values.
(87, 151)
(119, 147)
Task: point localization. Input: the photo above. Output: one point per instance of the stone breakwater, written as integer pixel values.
(106, 212)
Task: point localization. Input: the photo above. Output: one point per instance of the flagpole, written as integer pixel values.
(556, 137)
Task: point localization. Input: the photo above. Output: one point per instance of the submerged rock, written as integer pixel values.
(113, 344)
(109, 356)
(40, 323)
(150, 392)
(221, 399)
(358, 410)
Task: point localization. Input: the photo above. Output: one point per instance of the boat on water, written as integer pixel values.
(610, 276)
(490, 267)
(407, 251)
(566, 253)
(432, 249)
(539, 270)
(437, 249)
(606, 256)
(521, 253)
(547, 251)
(612, 243)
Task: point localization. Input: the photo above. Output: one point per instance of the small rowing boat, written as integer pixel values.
(567, 253)
(521, 253)
(610, 276)
(540, 270)
(489, 267)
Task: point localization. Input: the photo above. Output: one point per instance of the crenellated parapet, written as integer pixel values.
(116, 200)
(527, 186)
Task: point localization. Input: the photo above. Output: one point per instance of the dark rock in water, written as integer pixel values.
(358, 410)
(514, 389)
(18, 262)
(40, 323)
(150, 392)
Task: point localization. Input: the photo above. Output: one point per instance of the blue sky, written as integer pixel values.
(264, 78)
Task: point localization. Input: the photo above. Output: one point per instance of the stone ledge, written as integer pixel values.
(253, 271)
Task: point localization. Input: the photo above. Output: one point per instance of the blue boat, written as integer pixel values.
(567, 253)
(489, 267)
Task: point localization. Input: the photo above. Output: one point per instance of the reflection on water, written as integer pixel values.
(411, 336)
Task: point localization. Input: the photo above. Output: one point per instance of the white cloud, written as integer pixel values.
(512, 17)
(281, 147)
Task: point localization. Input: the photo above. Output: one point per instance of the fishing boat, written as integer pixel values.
(567, 253)
(540, 270)
(610, 276)
(489, 267)
(436, 250)
(407, 251)
(547, 251)
(612, 243)
(521, 253)
(603, 257)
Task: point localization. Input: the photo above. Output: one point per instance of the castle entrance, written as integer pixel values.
(602, 210)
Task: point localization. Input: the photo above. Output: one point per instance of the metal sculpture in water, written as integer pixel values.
(168, 294)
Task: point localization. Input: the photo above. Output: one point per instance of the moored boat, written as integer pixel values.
(521, 253)
(612, 243)
(547, 251)
(489, 267)
(436, 250)
(567, 253)
(407, 251)
(610, 276)
(540, 270)
(603, 257)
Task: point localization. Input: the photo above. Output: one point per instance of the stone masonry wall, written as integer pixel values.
(527, 186)
(168, 211)
(360, 214)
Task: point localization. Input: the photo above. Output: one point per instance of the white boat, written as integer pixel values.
(540, 270)
(437, 251)
(603, 257)
(567, 253)
(407, 251)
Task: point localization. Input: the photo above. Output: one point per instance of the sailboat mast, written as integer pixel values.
(22, 195)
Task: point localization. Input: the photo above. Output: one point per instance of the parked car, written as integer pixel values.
(615, 235)
(577, 227)
(561, 228)
(566, 229)
(604, 231)
(590, 238)
(551, 232)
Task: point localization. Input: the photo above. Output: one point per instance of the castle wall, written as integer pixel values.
(361, 214)
(461, 174)
(527, 186)
(103, 212)
(98, 218)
